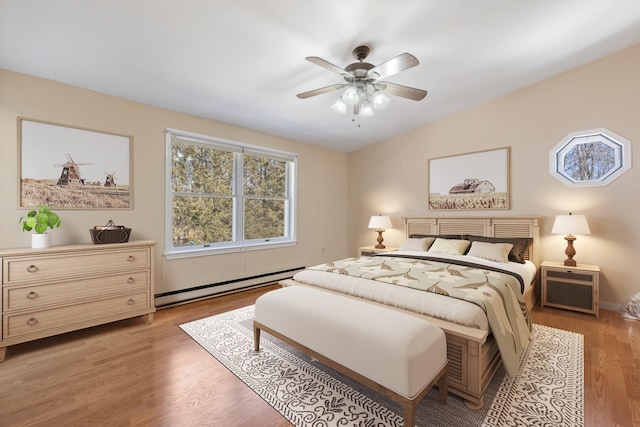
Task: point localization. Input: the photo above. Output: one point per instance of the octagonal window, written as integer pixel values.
(590, 158)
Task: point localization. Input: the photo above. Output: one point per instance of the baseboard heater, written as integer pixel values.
(181, 296)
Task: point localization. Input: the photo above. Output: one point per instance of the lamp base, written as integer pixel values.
(380, 239)
(570, 251)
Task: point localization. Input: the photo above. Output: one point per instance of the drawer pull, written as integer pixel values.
(131, 258)
(32, 295)
(131, 280)
(32, 321)
(131, 301)
(32, 268)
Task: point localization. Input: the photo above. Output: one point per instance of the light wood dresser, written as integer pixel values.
(59, 289)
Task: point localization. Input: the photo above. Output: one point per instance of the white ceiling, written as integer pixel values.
(242, 61)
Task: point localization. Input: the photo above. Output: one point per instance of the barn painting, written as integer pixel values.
(472, 181)
(473, 185)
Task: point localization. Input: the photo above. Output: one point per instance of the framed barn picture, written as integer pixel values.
(472, 181)
(68, 167)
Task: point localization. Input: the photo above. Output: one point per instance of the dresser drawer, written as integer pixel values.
(65, 318)
(26, 297)
(51, 268)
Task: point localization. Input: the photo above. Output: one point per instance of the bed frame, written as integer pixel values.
(473, 354)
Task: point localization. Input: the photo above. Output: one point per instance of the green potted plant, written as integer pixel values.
(40, 221)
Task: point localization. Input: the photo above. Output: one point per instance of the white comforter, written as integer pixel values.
(431, 304)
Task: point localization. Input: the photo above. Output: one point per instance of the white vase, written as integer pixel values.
(39, 241)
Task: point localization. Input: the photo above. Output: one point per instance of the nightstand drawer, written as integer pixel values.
(571, 275)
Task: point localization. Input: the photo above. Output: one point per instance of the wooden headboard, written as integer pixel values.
(487, 227)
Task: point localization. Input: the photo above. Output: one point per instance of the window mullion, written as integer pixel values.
(238, 199)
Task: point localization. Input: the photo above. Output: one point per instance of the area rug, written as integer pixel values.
(548, 391)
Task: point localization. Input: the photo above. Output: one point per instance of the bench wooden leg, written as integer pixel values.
(409, 413)
(409, 405)
(256, 337)
(443, 386)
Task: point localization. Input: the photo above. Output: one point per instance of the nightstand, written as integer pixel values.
(572, 288)
(371, 250)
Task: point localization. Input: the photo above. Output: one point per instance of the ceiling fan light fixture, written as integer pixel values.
(339, 106)
(350, 96)
(366, 87)
(380, 100)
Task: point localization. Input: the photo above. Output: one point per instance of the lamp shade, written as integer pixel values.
(366, 109)
(380, 222)
(379, 99)
(339, 106)
(350, 96)
(570, 224)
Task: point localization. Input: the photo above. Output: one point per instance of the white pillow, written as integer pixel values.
(449, 246)
(491, 251)
(415, 244)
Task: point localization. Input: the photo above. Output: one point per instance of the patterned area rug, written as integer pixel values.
(548, 391)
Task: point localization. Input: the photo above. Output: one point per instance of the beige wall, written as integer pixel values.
(322, 177)
(531, 121)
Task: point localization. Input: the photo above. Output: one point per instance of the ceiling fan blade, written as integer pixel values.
(327, 65)
(320, 91)
(393, 66)
(402, 91)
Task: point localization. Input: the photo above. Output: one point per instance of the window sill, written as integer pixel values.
(192, 253)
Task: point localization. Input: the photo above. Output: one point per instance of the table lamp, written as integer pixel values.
(380, 223)
(570, 225)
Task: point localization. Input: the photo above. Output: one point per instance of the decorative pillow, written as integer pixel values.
(491, 251)
(449, 246)
(417, 244)
(520, 245)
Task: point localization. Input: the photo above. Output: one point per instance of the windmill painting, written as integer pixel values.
(71, 174)
(110, 181)
(62, 166)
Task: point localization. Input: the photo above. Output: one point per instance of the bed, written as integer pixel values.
(472, 349)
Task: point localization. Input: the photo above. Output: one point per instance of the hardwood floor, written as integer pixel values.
(611, 363)
(129, 373)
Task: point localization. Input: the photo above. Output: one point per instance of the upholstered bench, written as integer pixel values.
(398, 355)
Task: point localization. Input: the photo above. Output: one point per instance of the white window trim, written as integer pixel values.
(228, 247)
(621, 145)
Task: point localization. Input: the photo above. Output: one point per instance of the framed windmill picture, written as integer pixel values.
(68, 167)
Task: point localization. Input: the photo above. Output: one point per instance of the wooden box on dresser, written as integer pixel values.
(59, 289)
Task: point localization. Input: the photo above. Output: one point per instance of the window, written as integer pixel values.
(590, 158)
(226, 196)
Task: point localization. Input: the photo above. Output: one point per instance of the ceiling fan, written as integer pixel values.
(365, 89)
